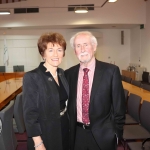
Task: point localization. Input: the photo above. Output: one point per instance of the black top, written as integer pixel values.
(61, 90)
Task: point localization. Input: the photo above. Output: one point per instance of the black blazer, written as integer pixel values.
(107, 104)
(41, 107)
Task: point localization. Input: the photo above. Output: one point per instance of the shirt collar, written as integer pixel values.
(91, 65)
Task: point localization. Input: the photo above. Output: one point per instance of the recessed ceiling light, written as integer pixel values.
(112, 1)
(81, 9)
(4, 12)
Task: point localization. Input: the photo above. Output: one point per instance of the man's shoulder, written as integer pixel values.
(105, 65)
(72, 69)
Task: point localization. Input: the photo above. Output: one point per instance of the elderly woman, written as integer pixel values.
(45, 92)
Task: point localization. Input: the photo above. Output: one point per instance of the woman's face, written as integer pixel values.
(53, 54)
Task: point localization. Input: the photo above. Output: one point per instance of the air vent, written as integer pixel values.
(25, 10)
(20, 10)
(32, 10)
(89, 6)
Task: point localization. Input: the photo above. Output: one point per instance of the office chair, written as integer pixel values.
(136, 83)
(146, 87)
(18, 121)
(127, 79)
(140, 131)
(7, 137)
(133, 106)
(145, 77)
(126, 93)
(145, 145)
(122, 77)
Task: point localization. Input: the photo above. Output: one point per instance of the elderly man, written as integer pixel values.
(96, 103)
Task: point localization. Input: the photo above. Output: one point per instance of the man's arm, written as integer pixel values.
(118, 99)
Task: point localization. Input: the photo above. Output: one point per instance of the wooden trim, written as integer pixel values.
(7, 76)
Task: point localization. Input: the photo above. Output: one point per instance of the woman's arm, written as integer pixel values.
(38, 143)
(30, 109)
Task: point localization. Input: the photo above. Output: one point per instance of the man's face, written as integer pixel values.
(84, 49)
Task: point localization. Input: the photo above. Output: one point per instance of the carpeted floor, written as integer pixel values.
(22, 141)
(22, 145)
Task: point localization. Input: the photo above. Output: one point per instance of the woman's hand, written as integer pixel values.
(38, 143)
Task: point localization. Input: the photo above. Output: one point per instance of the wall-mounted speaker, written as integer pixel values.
(122, 37)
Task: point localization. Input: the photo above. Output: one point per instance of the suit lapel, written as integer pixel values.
(74, 86)
(96, 79)
(64, 81)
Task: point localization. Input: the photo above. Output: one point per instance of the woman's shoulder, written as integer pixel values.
(33, 74)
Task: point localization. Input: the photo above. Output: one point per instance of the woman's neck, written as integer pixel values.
(51, 69)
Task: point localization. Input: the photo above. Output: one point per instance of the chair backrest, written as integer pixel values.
(144, 115)
(146, 87)
(127, 79)
(136, 83)
(134, 102)
(145, 76)
(18, 114)
(122, 77)
(2, 69)
(126, 93)
(7, 137)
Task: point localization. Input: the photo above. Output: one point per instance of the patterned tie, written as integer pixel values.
(85, 97)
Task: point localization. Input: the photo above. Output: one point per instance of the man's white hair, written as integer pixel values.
(92, 37)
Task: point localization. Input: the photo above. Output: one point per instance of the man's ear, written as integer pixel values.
(75, 52)
(94, 48)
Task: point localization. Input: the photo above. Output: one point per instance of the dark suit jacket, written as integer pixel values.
(107, 104)
(41, 107)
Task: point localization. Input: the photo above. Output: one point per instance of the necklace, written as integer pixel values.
(54, 76)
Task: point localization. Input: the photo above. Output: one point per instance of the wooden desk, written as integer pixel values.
(129, 74)
(144, 94)
(9, 89)
(9, 75)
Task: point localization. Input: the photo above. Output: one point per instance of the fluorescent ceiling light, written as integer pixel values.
(81, 9)
(112, 1)
(4, 12)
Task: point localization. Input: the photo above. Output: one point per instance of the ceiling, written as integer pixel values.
(83, 26)
(97, 26)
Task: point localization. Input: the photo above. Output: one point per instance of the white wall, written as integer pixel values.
(140, 39)
(22, 50)
(22, 47)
